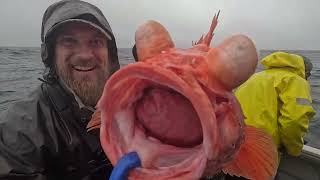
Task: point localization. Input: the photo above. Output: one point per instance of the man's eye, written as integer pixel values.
(67, 41)
(99, 42)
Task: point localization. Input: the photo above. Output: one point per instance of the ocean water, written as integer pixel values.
(20, 68)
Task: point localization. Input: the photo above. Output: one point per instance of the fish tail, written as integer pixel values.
(257, 157)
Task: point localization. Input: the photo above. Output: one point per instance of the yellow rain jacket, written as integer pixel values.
(278, 100)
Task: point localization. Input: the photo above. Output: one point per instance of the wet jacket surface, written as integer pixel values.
(278, 100)
(44, 137)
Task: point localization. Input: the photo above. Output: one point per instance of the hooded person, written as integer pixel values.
(278, 100)
(44, 136)
(308, 66)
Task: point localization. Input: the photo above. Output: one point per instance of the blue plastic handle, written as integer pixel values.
(125, 165)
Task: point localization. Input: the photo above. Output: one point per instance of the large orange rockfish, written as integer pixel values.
(176, 109)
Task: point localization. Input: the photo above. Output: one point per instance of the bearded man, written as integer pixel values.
(44, 136)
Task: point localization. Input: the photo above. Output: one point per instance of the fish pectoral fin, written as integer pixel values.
(257, 157)
(95, 121)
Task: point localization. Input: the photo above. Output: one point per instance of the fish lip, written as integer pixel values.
(83, 68)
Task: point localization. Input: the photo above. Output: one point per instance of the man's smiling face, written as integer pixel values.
(82, 60)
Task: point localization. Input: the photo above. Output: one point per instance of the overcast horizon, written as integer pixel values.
(271, 24)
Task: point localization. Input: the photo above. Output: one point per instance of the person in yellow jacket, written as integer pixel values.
(278, 99)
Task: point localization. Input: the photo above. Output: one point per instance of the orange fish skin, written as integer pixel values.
(205, 76)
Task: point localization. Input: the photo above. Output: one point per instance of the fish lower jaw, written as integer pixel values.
(166, 158)
(152, 152)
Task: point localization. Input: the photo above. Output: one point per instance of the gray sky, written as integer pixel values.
(272, 24)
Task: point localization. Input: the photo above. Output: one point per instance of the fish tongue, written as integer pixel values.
(169, 117)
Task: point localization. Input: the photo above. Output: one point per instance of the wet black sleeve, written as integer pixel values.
(21, 140)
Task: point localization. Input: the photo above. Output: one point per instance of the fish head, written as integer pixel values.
(175, 107)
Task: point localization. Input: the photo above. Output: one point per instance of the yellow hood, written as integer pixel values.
(291, 62)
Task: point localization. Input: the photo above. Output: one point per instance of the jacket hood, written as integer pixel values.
(292, 62)
(66, 10)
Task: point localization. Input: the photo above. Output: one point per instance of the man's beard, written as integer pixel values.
(88, 90)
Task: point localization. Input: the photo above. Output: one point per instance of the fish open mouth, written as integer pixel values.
(141, 121)
(169, 117)
(170, 123)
